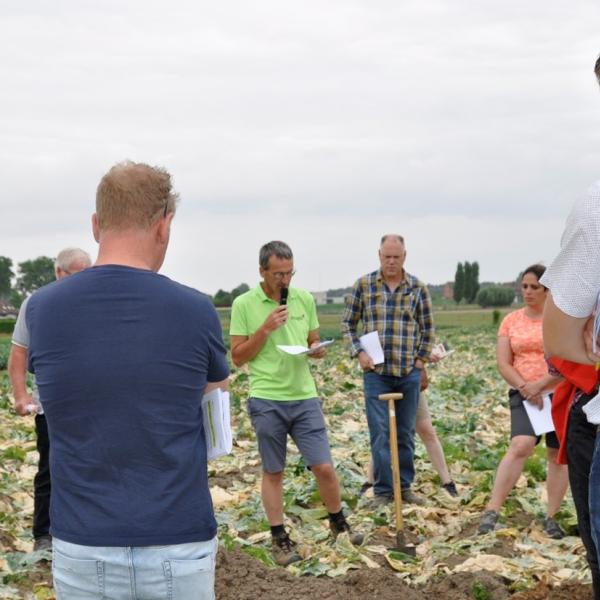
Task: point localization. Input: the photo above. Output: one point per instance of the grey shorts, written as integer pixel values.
(520, 423)
(423, 408)
(303, 420)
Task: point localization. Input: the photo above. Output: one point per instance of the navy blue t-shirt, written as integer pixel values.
(121, 358)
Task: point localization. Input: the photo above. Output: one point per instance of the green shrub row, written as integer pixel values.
(7, 325)
(495, 296)
(4, 350)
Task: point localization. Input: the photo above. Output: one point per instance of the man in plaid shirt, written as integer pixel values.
(396, 305)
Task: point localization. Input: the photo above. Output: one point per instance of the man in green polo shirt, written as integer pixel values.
(283, 397)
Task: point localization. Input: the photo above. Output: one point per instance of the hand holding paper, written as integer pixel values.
(372, 346)
(439, 352)
(541, 420)
(295, 350)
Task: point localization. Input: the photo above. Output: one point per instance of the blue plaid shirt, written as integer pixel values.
(403, 318)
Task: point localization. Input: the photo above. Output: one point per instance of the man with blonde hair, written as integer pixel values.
(68, 261)
(123, 356)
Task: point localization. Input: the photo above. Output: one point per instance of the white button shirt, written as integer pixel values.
(574, 275)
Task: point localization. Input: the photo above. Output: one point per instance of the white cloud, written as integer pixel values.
(320, 123)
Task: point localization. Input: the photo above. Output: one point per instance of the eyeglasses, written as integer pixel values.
(281, 274)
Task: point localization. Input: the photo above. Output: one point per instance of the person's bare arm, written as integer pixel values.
(17, 374)
(533, 391)
(565, 336)
(212, 385)
(504, 361)
(245, 348)
(313, 340)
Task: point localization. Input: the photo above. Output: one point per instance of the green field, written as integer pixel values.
(456, 319)
(467, 399)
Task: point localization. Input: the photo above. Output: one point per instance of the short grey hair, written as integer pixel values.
(275, 248)
(392, 235)
(70, 257)
(597, 69)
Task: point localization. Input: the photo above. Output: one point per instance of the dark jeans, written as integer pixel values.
(379, 430)
(41, 482)
(581, 438)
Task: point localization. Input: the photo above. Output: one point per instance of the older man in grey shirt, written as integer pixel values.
(69, 261)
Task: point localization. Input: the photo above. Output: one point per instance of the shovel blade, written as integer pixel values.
(401, 545)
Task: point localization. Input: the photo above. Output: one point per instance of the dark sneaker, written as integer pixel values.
(367, 485)
(488, 521)
(44, 542)
(284, 550)
(553, 529)
(409, 497)
(450, 487)
(356, 539)
(378, 501)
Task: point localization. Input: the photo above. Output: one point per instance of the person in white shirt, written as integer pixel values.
(573, 279)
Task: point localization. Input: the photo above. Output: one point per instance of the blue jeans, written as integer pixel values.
(379, 431)
(594, 495)
(175, 572)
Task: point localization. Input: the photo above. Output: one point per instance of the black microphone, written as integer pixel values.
(284, 296)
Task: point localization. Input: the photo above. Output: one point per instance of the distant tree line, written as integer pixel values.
(467, 288)
(223, 298)
(29, 275)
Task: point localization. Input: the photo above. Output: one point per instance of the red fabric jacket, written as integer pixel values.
(582, 377)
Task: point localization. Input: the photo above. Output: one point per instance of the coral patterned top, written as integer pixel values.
(525, 337)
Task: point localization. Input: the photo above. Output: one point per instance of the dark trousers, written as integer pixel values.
(581, 438)
(41, 482)
(379, 428)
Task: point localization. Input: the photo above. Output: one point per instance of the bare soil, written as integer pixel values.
(241, 577)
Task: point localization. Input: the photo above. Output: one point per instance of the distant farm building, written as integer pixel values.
(320, 297)
(323, 298)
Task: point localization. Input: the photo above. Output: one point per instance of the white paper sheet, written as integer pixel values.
(592, 410)
(295, 350)
(541, 420)
(217, 423)
(439, 351)
(372, 346)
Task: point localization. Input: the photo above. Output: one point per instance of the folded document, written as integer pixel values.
(217, 423)
(295, 350)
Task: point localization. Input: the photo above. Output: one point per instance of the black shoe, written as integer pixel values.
(284, 551)
(379, 501)
(356, 539)
(553, 529)
(450, 487)
(488, 521)
(44, 542)
(409, 497)
(367, 485)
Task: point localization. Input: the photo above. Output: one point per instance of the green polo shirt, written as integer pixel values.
(275, 375)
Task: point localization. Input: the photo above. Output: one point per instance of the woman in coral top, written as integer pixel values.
(520, 359)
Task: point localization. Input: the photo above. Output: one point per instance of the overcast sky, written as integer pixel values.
(468, 127)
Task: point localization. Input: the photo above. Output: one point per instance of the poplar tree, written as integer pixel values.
(459, 283)
(474, 282)
(468, 284)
